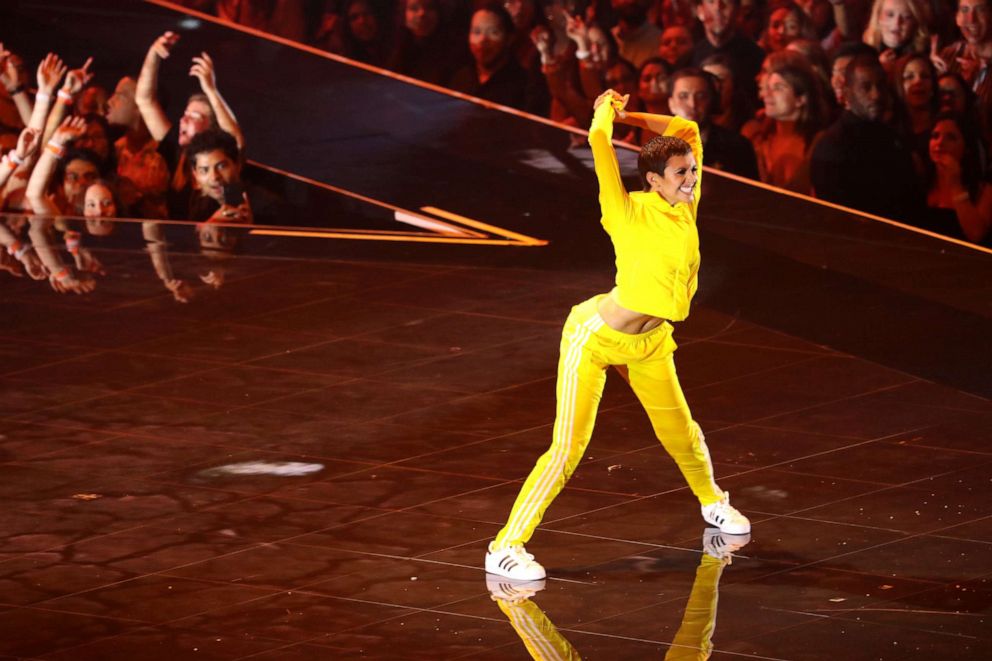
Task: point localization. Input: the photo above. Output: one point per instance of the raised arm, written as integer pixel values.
(19, 157)
(37, 190)
(613, 198)
(203, 70)
(50, 72)
(15, 84)
(75, 80)
(146, 89)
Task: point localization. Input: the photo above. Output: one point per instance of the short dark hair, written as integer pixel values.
(212, 140)
(863, 61)
(655, 154)
(707, 77)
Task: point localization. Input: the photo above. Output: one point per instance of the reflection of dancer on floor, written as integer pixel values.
(693, 641)
(657, 255)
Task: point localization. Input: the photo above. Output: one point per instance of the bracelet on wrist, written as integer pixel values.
(62, 273)
(14, 158)
(65, 97)
(10, 164)
(14, 91)
(581, 55)
(42, 96)
(55, 149)
(13, 248)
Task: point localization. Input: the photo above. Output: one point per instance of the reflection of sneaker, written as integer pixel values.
(514, 562)
(721, 545)
(725, 517)
(512, 592)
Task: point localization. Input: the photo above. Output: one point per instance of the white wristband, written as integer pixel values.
(581, 54)
(42, 96)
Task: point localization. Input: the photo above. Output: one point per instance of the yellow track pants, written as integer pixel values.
(588, 348)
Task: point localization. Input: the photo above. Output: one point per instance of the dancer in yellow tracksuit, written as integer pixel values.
(657, 257)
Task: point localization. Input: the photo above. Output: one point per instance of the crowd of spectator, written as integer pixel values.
(881, 105)
(80, 158)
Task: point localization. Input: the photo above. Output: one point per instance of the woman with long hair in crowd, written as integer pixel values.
(959, 201)
(796, 111)
(913, 84)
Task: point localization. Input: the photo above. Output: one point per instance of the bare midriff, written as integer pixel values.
(623, 320)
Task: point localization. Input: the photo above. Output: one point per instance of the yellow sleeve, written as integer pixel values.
(614, 202)
(689, 131)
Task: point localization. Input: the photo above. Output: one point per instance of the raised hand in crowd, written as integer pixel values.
(69, 130)
(50, 72)
(19, 157)
(939, 63)
(77, 79)
(15, 81)
(203, 70)
(146, 90)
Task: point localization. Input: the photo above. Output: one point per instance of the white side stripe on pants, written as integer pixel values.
(563, 425)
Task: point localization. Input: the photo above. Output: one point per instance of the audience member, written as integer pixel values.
(970, 56)
(795, 113)
(786, 23)
(735, 105)
(676, 46)
(694, 97)
(959, 202)
(861, 162)
(494, 74)
(897, 28)
(721, 36)
(423, 48)
(913, 83)
(203, 111)
(637, 38)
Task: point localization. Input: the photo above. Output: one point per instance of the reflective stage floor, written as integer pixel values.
(308, 461)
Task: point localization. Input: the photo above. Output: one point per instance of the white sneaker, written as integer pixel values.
(721, 545)
(514, 562)
(725, 517)
(512, 592)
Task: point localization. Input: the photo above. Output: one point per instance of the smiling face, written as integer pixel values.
(678, 180)
(972, 19)
(896, 23)
(99, 202)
